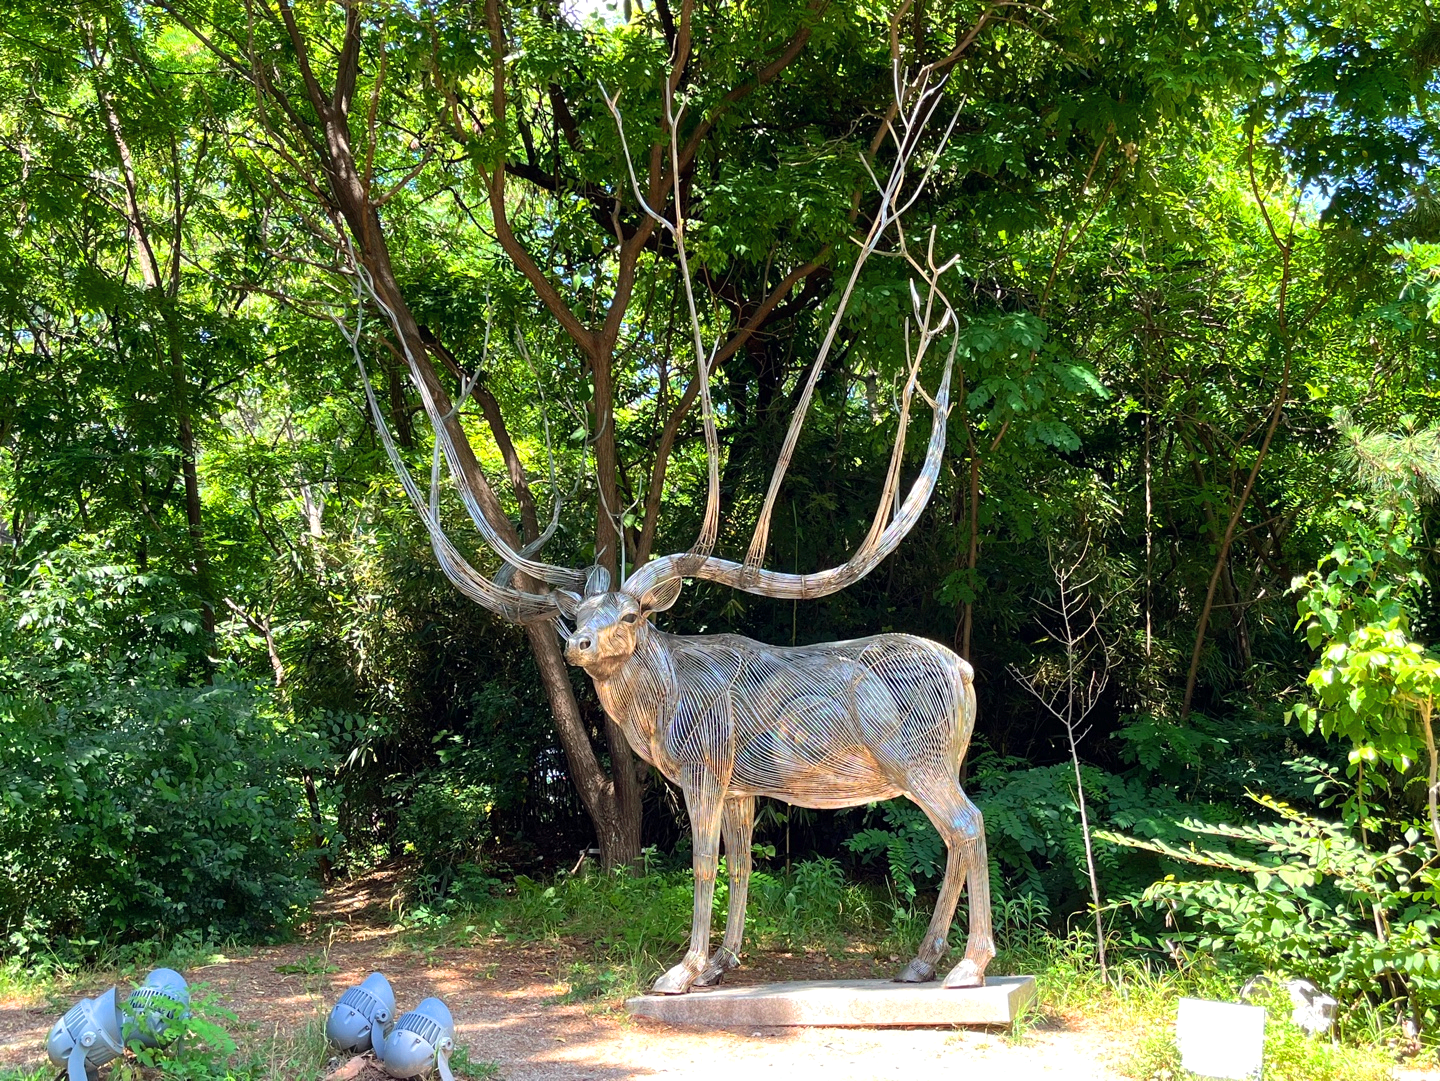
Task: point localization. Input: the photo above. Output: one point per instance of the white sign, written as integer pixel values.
(1221, 1039)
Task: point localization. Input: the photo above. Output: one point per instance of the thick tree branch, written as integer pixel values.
(499, 212)
(767, 74)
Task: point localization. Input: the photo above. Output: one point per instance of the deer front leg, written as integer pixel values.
(704, 797)
(737, 825)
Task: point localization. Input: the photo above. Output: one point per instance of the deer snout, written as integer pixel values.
(578, 646)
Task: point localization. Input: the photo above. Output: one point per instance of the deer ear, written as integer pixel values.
(661, 595)
(566, 601)
(597, 580)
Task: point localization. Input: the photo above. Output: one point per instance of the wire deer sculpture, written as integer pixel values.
(729, 719)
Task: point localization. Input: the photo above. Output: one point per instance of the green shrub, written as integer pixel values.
(1305, 897)
(139, 811)
(1034, 838)
(444, 824)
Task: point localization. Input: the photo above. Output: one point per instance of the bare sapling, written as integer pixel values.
(1071, 694)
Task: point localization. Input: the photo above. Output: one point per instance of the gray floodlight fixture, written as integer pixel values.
(357, 1023)
(87, 1037)
(420, 1042)
(154, 1006)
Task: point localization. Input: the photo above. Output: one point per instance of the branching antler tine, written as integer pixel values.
(710, 525)
(934, 160)
(509, 603)
(613, 106)
(545, 572)
(506, 574)
(755, 556)
(864, 164)
(888, 506)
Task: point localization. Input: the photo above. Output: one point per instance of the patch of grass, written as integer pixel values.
(313, 964)
(1141, 999)
(469, 1069)
(291, 1051)
(810, 907)
(28, 1073)
(608, 981)
(56, 976)
(208, 1052)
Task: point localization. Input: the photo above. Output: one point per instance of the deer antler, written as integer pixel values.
(506, 573)
(659, 581)
(445, 441)
(516, 605)
(921, 98)
(710, 525)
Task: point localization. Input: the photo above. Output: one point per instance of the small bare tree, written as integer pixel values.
(1071, 692)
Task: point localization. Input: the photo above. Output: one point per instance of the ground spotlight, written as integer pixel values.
(357, 1023)
(87, 1037)
(152, 1007)
(419, 1042)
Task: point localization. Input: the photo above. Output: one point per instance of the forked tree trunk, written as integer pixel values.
(612, 803)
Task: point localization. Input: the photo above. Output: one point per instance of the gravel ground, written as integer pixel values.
(504, 998)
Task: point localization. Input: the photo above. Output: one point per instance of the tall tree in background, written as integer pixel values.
(315, 144)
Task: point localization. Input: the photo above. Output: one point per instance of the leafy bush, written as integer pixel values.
(812, 903)
(444, 824)
(148, 810)
(1374, 686)
(1034, 838)
(136, 799)
(1305, 897)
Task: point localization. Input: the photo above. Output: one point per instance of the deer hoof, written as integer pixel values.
(675, 982)
(966, 974)
(917, 971)
(722, 962)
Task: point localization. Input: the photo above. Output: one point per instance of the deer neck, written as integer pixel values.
(635, 691)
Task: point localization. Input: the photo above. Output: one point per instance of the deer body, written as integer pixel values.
(728, 719)
(817, 726)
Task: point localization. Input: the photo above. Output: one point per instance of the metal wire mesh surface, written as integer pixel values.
(818, 726)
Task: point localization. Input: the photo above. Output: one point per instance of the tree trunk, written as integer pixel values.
(200, 559)
(620, 835)
(616, 823)
(1203, 623)
(610, 802)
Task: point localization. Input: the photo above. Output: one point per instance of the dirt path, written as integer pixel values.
(504, 998)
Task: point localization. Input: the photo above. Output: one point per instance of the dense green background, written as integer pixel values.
(1198, 279)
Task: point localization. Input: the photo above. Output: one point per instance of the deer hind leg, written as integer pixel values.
(704, 798)
(963, 830)
(737, 824)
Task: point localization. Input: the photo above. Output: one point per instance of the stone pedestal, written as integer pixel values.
(870, 1003)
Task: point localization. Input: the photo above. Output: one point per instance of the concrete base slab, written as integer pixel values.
(842, 1003)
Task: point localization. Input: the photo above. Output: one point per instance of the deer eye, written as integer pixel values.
(629, 617)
